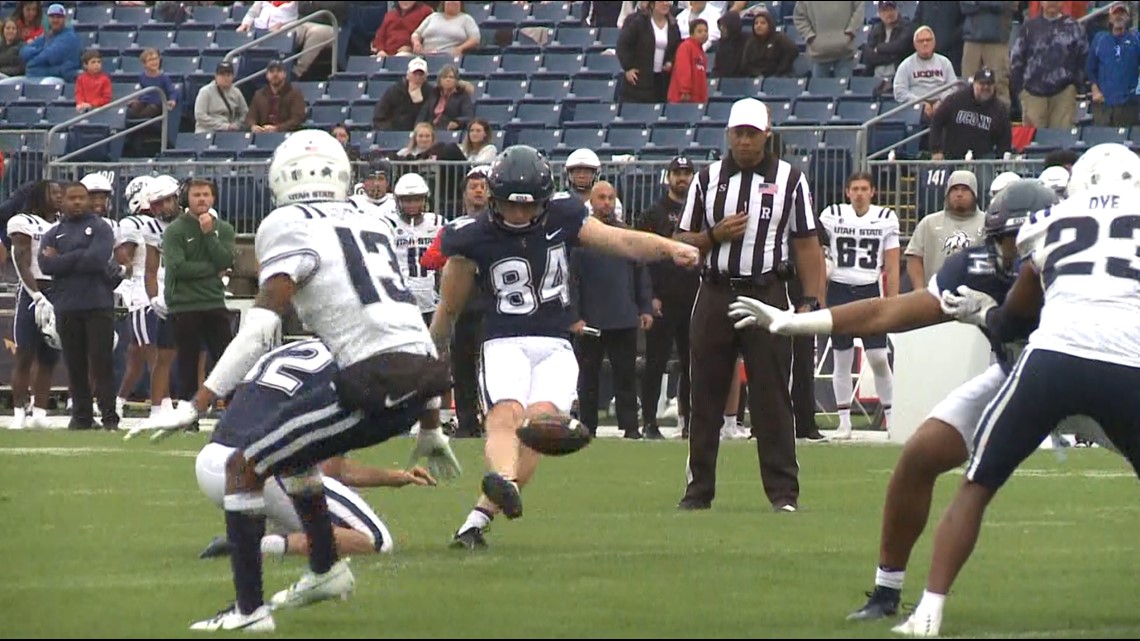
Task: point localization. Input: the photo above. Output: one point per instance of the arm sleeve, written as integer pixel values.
(433, 258)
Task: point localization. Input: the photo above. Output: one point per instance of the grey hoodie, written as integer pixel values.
(825, 25)
(211, 112)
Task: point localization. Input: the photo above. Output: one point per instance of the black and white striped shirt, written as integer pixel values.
(775, 195)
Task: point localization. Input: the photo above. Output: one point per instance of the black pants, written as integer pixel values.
(465, 346)
(87, 338)
(767, 361)
(191, 330)
(669, 328)
(621, 346)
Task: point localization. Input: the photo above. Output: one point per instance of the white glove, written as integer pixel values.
(44, 309)
(433, 445)
(159, 306)
(749, 311)
(166, 423)
(968, 305)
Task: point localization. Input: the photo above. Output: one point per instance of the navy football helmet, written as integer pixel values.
(1008, 212)
(520, 174)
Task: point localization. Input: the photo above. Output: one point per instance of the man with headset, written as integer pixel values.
(198, 250)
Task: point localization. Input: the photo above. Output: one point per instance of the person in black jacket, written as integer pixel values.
(76, 253)
(401, 103)
(645, 79)
(729, 61)
(674, 290)
(457, 108)
(611, 295)
(768, 52)
(318, 34)
(971, 119)
(891, 40)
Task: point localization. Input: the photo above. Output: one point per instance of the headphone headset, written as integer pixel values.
(184, 191)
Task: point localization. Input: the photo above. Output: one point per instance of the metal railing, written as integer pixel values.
(287, 30)
(862, 139)
(119, 134)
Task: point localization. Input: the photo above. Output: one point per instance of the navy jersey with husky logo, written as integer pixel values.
(975, 269)
(526, 273)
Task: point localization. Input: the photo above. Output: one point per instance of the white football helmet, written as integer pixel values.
(1001, 181)
(310, 166)
(1057, 179)
(136, 194)
(410, 185)
(583, 158)
(97, 183)
(1108, 164)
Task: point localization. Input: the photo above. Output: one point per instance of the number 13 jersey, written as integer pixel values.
(350, 289)
(858, 243)
(526, 272)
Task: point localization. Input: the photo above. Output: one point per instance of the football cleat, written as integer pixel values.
(314, 588)
(504, 494)
(881, 603)
(260, 620)
(469, 539)
(921, 624)
(218, 546)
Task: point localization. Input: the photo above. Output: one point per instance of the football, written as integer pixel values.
(554, 435)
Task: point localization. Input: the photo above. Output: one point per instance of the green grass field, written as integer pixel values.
(101, 540)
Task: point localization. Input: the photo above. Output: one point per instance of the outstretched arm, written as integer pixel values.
(871, 316)
(634, 245)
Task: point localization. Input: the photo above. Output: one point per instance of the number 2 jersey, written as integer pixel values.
(858, 244)
(142, 231)
(350, 289)
(412, 240)
(1087, 251)
(527, 273)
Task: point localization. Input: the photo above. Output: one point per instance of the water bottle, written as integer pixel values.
(891, 156)
(969, 155)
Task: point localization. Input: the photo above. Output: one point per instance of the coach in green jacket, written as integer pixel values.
(198, 249)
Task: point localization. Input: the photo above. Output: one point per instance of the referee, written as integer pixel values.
(743, 212)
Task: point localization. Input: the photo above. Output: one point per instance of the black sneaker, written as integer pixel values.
(504, 494)
(688, 504)
(632, 435)
(469, 539)
(653, 433)
(217, 547)
(881, 603)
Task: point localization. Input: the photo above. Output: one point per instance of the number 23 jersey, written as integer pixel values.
(350, 289)
(857, 244)
(527, 273)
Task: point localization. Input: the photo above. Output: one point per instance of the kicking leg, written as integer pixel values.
(328, 577)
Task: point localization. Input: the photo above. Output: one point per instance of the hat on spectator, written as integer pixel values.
(888, 4)
(963, 177)
(56, 10)
(680, 163)
(224, 67)
(417, 64)
(985, 75)
(748, 112)
(275, 64)
(1119, 6)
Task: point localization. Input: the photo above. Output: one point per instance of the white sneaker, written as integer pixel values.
(260, 620)
(920, 624)
(18, 419)
(743, 433)
(39, 420)
(841, 434)
(313, 588)
(120, 405)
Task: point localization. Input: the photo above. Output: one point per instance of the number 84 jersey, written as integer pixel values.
(857, 243)
(351, 292)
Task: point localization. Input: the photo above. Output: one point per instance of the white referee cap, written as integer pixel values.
(748, 112)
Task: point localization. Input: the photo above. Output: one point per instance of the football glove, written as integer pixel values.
(441, 461)
(967, 305)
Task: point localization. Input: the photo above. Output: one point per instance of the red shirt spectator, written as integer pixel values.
(690, 79)
(92, 87)
(395, 33)
(1075, 10)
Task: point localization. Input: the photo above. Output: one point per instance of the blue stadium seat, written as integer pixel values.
(360, 116)
(642, 113)
(453, 136)
(521, 65)
(115, 41)
(229, 39)
(801, 141)
(507, 12)
(824, 88)
(718, 111)
(18, 116)
(688, 113)
(161, 40)
(627, 137)
(114, 118)
(1050, 139)
(736, 88)
(57, 146)
(312, 91)
(232, 140)
(855, 112)
(194, 39)
(495, 113)
(210, 15)
(673, 138)
(594, 89)
(590, 114)
(549, 14)
(540, 138)
(563, 64)
(195, 141)
(479, 64)
(88, 40)
(377, 88)
(176, 66)
(57, 113)
(130, 65)
(1089, 135)
(538, 114)
(505, 89)
(480, 12)
(91, 13)
(131, 15)
(548, 90)
(348, 90)
(325, 116)
(41, 93)
(783, 88)
(270, 140)
(863, 86)
(392, 139)
(712, 137)
(436, 62)
(575, 37)
(583, 138)
(780, 112)
(602, 64)
(608, 37)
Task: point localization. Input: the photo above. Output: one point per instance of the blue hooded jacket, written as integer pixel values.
(53, 55)
(1114, 65)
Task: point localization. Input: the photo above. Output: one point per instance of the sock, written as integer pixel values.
(39, 412)
(167, 404)
(889, 577)
(842, 385)
(154, 410)
(884, 379)
(314, 511)
(244, 531)
(478, 519)
(931, 602)
(274, 544)
(730, 422)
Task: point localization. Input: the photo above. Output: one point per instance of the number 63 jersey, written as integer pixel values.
(1087, 251)
(858, 243)
(350, 289)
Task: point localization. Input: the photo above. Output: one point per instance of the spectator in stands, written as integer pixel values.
(700, 9)
(614, 296)
(401, 103)
(646, 48)
(320, 30)
(946, 232)
(264, 17)
(890, 42)
(420, 143)
(344, 137)
(690, 79)
(449, 30)
(220, 106)
(149, 105)
(601, 14)
(829, 30)
(1075, 10)
(768, 52)
(1061, 158)
(452, 108)
(176, 12)
(1113, 68)
(394, 37)
(477, 145)
(971, 119)
(52, 58)
(1047, 68)
(92, 87)
(923, 72)
(986, 27)
(10, 62)
(945, 18)
(277, 106)
(729, 62)
(29, 15)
